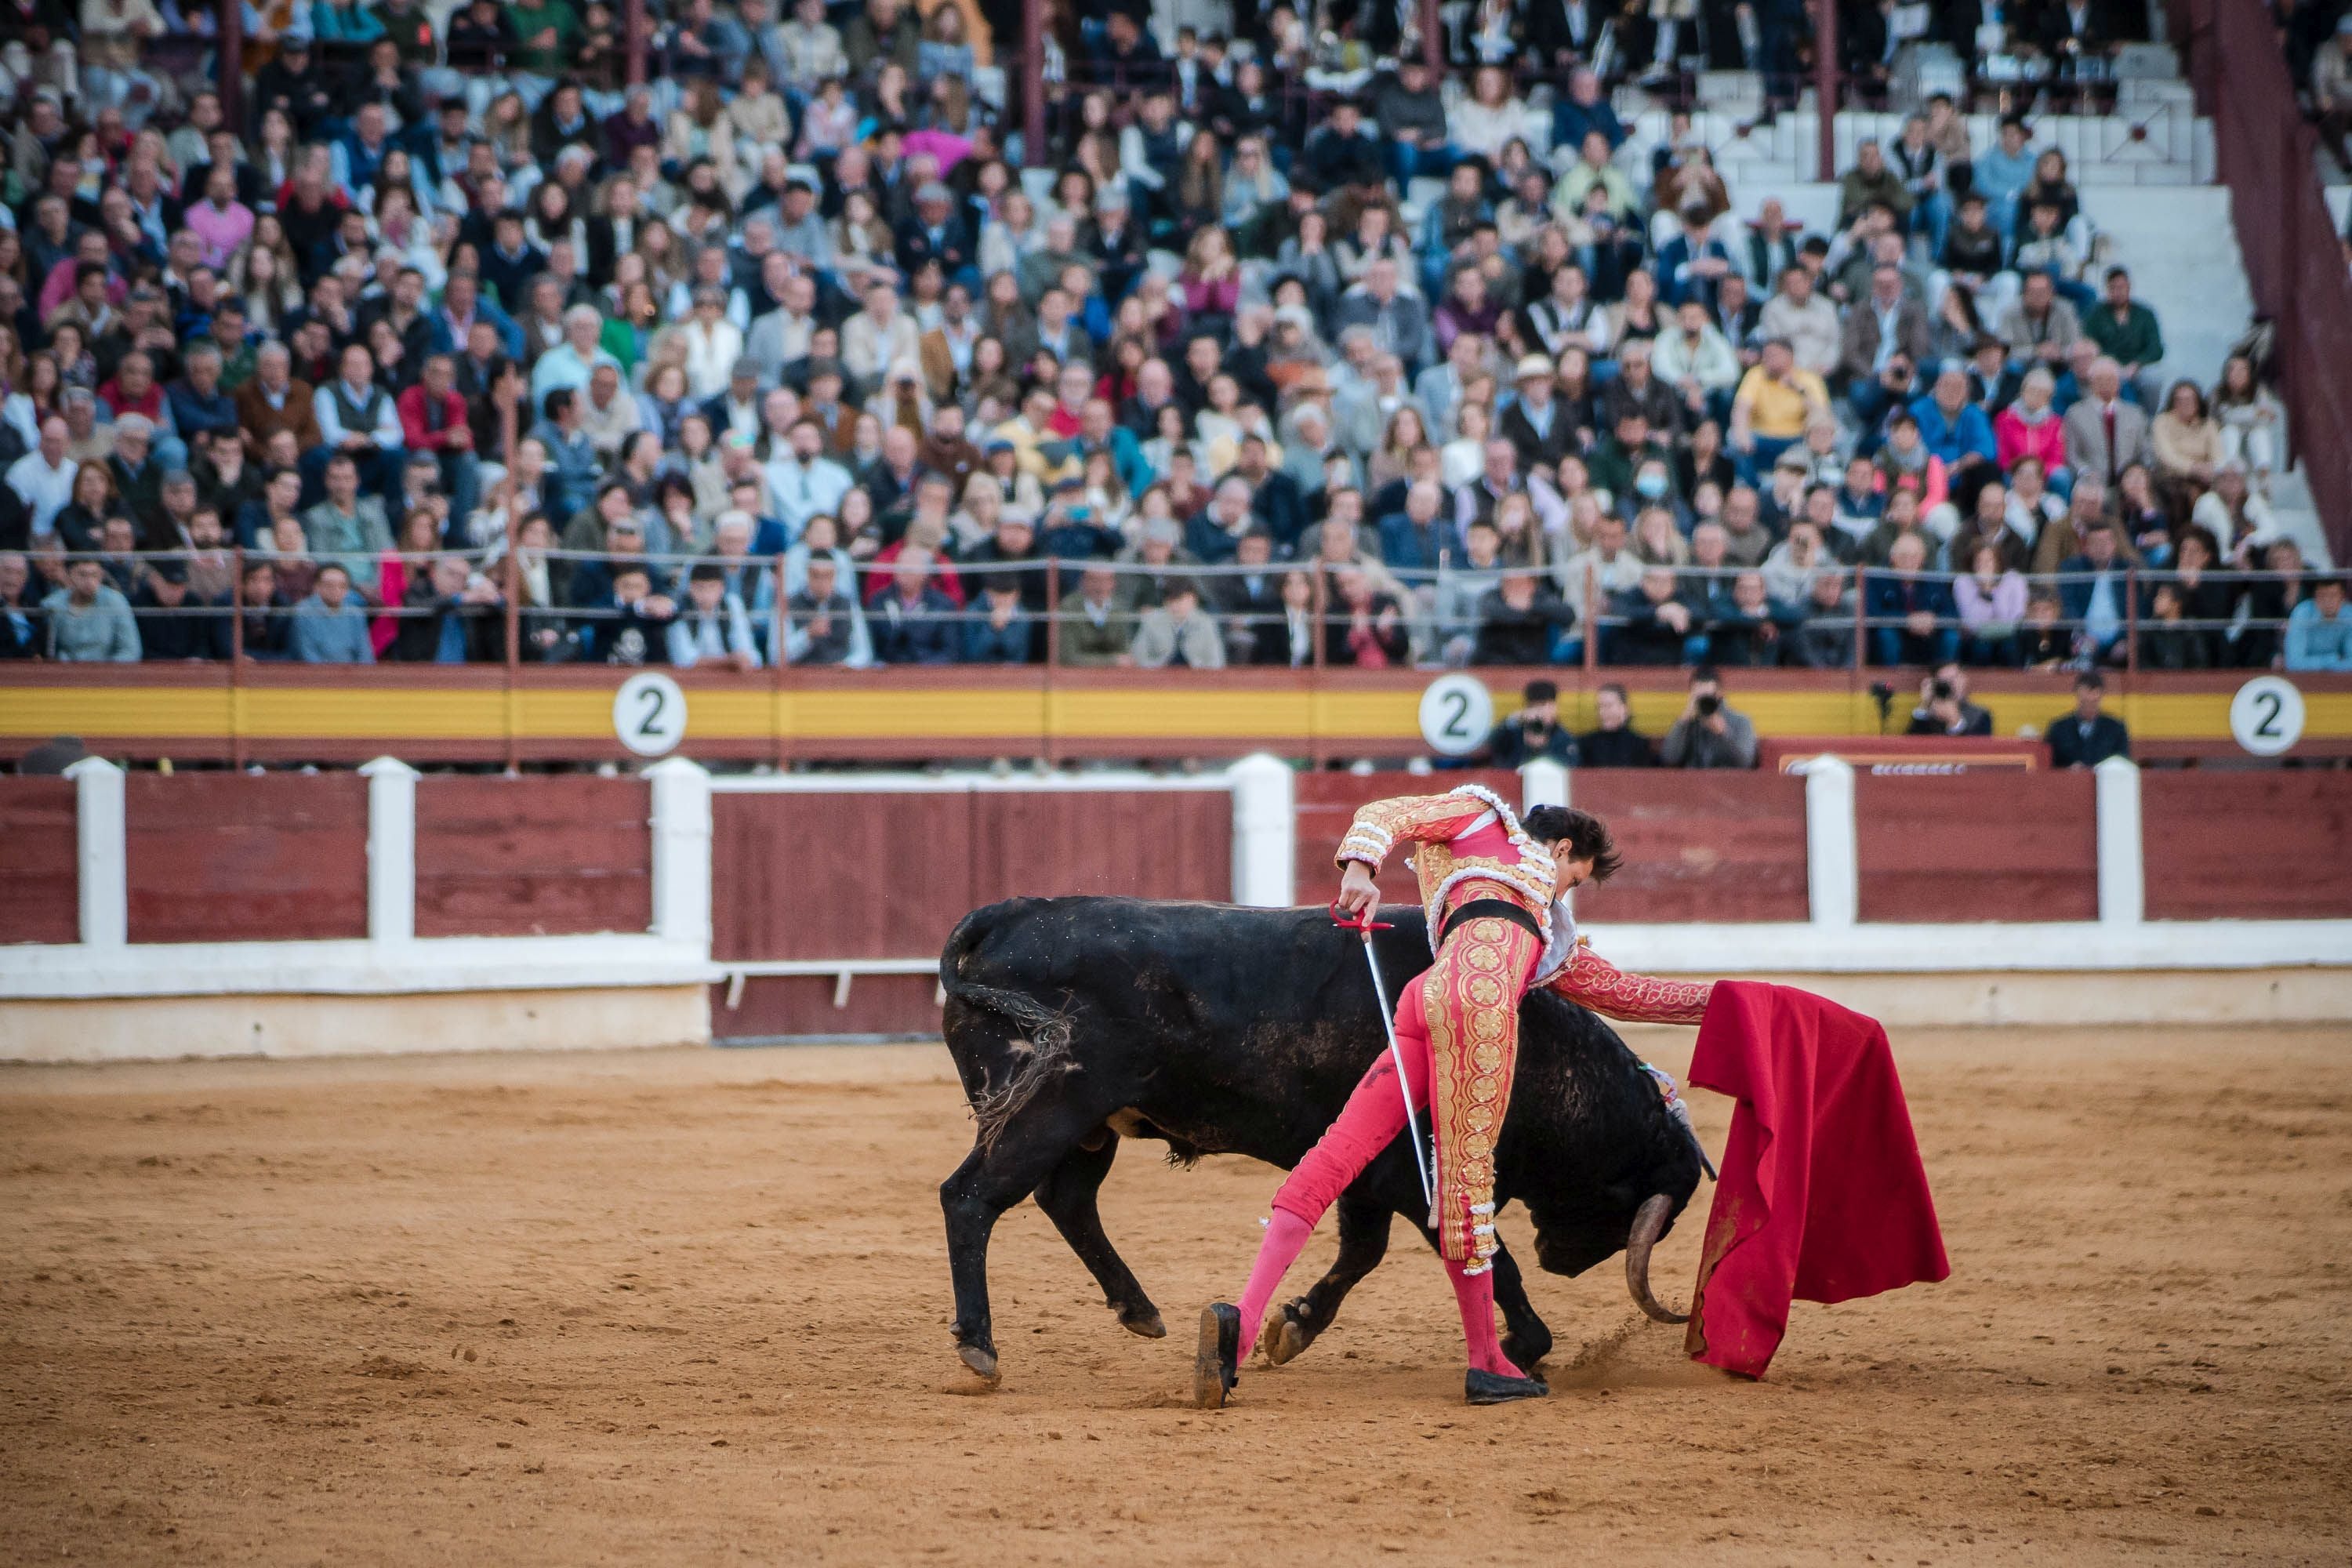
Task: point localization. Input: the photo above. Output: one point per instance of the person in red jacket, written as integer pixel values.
(432, 419)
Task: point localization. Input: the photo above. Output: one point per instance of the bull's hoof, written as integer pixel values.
(1143, 1321)
(981, 1361)
(1527, 1349)
(1216, 1356)
(1284, 1336)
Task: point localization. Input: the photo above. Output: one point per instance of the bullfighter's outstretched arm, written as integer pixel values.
(1592, 981)
(1382, 824)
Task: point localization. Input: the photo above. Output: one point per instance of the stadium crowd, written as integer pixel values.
(451, 349)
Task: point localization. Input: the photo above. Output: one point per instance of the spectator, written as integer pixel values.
(2127, 333)
(1001, 630)
(711, 628)
(1944, 706)
(2087, 737)
(1095, 632)
(1365, 629)
(174, 621)
(2331, 91)
(823, 625)
(348, 527)
(912, 621)
(43, 478)
(331, 626)
(1519, 620)
(1804, 322)
(1710, 734)
(1655, 624)
(2105, 435)
(449, 618)
(2318, 632)
(1177, 632)
(1532, 732)
(1911, 612)
(1777, 399)
(2094, 592)
(1614, 742)
(89, 620)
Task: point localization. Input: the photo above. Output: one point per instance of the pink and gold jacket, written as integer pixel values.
(1467, 843)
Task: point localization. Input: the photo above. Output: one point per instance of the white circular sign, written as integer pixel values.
(2266, 715)
(1458, 712)
(649, 714)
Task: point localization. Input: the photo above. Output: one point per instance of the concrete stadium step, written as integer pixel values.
(2181, 246)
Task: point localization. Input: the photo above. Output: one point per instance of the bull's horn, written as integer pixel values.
(1648, 1223)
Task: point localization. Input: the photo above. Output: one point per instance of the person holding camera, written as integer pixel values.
(1533, 732)
(1709, 734)
(1944, 706)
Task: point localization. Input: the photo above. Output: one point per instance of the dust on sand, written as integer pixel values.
(693, 1306)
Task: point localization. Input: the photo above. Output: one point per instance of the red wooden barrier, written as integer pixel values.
(1698, 847)
(2247, 846)
(40, 899)
(864, 875)
(536, 857)
(1326, 802)
(243, 857)
(1977, 846)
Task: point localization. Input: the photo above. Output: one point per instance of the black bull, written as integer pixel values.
(1073, 1022)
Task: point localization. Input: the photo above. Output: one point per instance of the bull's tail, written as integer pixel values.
(1039, 1044)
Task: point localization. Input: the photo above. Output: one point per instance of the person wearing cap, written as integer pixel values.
(1535, 424)
(172, 619)
(1534, 733)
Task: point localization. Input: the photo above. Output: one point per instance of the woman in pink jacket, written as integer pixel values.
(2030, 427)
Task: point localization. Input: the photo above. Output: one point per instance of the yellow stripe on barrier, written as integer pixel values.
(165, 712)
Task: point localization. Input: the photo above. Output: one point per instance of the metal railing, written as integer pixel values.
(1075, 613)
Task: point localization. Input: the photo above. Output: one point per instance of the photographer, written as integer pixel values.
(1709, 734)
(1944, 706)
(1533, 732)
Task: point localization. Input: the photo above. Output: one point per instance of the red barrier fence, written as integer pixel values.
(864, 875)
(1713, 847)
(245, 857)
(565, 856)
(39, 898)
(1977, 846)
(2264, 153)
(2247, 846)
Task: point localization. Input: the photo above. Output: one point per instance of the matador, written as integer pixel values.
(1495, 888)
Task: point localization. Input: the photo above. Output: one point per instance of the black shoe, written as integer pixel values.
(1493, 1388)
(1217, 1360)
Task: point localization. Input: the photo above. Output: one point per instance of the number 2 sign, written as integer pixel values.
(649, 714)
(2266, 715)
(1458, 712)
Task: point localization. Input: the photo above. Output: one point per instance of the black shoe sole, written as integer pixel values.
(1214, 1353)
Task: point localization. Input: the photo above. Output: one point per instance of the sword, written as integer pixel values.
(1364, 926)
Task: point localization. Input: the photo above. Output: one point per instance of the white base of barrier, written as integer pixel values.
(145, 1028)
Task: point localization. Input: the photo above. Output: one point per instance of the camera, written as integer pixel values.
(1939, 691)
(1708, 705)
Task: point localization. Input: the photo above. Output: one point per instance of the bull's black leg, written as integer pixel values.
(1067, 1196)
(1526, 1339)
(982, 1189)
(1363, 1242)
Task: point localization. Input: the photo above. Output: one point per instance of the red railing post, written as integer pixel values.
(1591, 622)
(237, 657)
(776, 638)
(513, 639)
(2131, 620)
(1052, 736)
(231, 73)
(1432, 42)
(633, 27)
(1861, 621)
(1825, 86)
(1033, 83)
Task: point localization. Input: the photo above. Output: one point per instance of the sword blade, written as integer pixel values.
(1396, 1055)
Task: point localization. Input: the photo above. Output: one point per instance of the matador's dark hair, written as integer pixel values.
(1587, 836)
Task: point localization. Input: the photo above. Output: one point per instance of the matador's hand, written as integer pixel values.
(1358, 891)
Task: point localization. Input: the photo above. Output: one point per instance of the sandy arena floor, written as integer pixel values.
(692, 1307)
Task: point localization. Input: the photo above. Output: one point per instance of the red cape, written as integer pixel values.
(1823, 1194)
